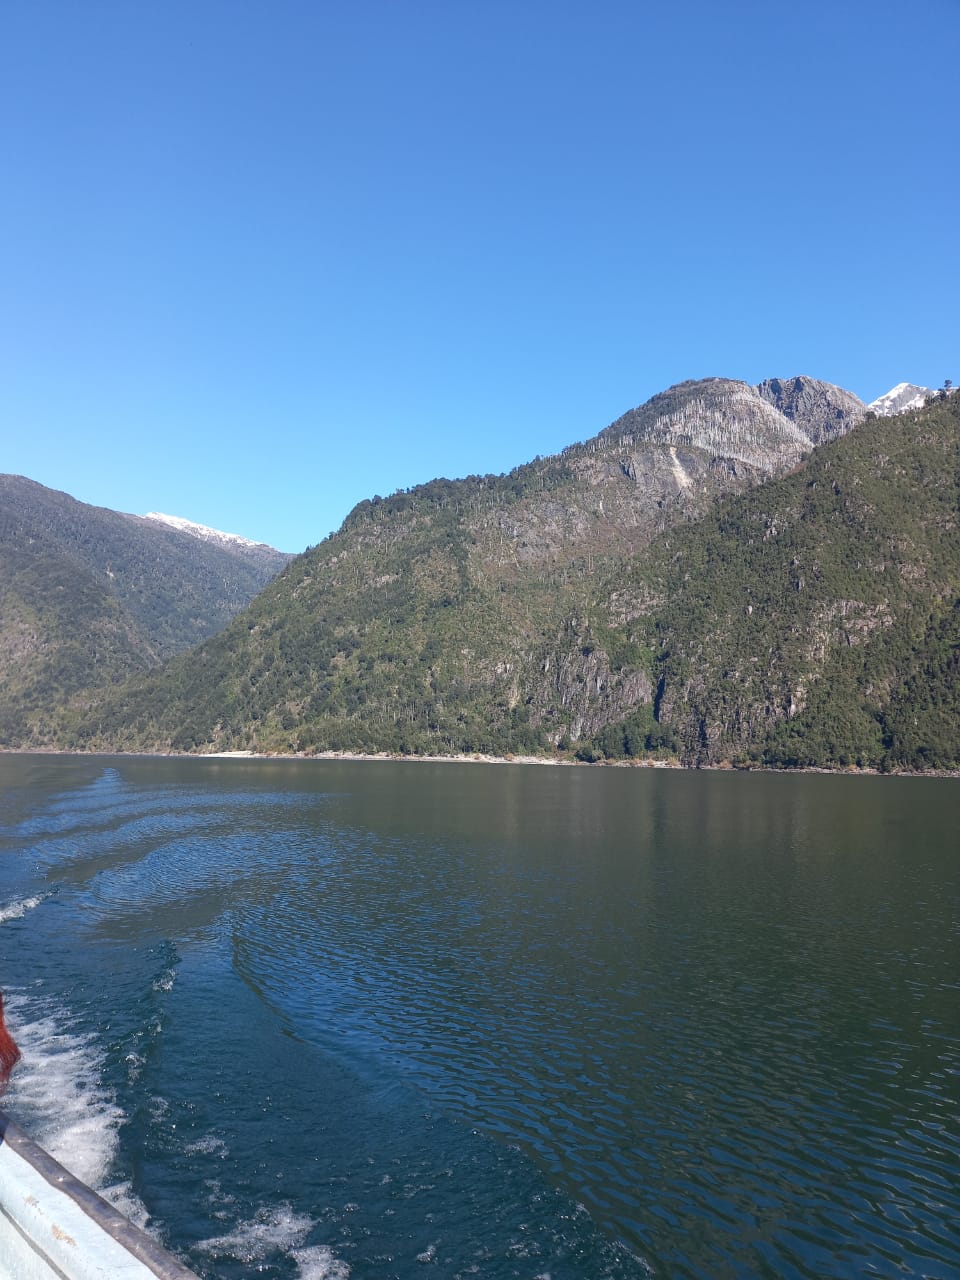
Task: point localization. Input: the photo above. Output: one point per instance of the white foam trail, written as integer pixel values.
(320, 1263)
(17, 910)
(209, 1145)
(165, 981)
(126, 1201)
(57, 1094)
(279, 1229)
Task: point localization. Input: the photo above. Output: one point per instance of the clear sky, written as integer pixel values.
(260, 260)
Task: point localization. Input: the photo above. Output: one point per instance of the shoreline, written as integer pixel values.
(477, 757)
(848, 771)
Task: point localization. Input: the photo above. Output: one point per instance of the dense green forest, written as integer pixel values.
(89, 597)
(811, 619)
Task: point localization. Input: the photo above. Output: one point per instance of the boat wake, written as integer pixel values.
(58, 1096)
(17, 910)
(277, 1231)
(319, 1263)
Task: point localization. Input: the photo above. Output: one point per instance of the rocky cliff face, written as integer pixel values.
(666, 461)
(821, 411)
(768, 426)
(725, 419)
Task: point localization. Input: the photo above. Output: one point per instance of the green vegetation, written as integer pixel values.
(89, 597)
(813, 620)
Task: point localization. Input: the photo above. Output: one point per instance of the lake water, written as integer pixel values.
(329, 1019)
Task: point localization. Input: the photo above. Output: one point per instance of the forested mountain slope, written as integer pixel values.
(813, 619)
(511, 613)
(89, 596)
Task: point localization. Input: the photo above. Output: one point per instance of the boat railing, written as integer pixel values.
(54, 1225)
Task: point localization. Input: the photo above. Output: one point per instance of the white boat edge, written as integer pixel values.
(54, 1226)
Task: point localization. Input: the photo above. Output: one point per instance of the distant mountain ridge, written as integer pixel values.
(88, 596)
(204, 532)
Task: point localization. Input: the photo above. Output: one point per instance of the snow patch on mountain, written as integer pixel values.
(900, 399)
(201, 531)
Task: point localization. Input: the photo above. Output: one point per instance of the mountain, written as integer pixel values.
(900, 399)
(89, 596)
(700, 579)
(823, 411)
(659, 463)
(813, 621)
(253, 550)
(757, 575)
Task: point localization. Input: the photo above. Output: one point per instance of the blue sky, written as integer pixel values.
(261, 260)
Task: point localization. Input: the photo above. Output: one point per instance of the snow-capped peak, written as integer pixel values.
(202, 531)
(900, 399)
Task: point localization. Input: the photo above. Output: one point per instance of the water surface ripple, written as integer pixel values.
(513, 1020)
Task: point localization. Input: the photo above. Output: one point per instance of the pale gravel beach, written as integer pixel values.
(850, 771)
(477, 758)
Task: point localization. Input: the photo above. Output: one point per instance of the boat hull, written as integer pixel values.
(53, 1225)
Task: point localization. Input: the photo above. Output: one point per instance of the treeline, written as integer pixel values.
(470, 495)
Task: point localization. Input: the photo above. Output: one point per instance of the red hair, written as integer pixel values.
(9, 1053)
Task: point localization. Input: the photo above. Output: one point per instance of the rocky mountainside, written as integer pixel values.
(812, 621)
(822, 411)
(697, 579)
(662, 462)
(88, 596)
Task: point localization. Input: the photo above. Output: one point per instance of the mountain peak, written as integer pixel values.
(820, 409)
(900, 399)
(201, 531)
(770, 426)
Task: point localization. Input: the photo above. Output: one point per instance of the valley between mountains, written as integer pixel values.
(755, 575)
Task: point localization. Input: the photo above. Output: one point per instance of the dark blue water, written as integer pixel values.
(324, 1019)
